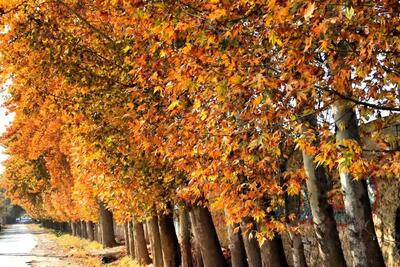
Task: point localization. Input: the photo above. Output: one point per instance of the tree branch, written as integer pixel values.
(358, 102)
(86, 22)
(3, 12)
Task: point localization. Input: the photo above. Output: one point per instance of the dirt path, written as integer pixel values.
(23, 245)
(47, 253)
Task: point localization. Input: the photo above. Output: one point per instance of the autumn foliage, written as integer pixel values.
(150, 105)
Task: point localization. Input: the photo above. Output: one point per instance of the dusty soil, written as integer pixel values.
(47, 253)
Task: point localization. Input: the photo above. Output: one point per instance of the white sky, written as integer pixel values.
(5, 119)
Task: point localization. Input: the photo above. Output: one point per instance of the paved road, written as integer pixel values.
(16, 244)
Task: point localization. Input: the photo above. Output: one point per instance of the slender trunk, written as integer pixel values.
(236, 246)
(126, 236)
(364, 246)
(90, 230)
(107, 227)
(131, 240)
(206, 234)
(146, 232)
(141, 253)
(73, 228)
(184, 229)
(155, 242)
(250, 243)
(299, 259)
(322, 212)
(84, 229)
(78, 229)
(64, 227)
(169, 241)
(272, 253)
(97, 232)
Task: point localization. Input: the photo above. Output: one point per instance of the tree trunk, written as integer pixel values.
(322, 212)
(84, 229)
(78, 229)
(186, 249)
(251, 244)
(299, 259)
(169, 241)
(272, 253)
(131, 240)
(141, 253)
(73, 228)
(97, 234)
(197, 257)
(293, 205)
(126, 236)
(206, 234)
(107, 227)
(155, 242)
(236, 246)
(146, 232)
(364, 245)
(90, 230)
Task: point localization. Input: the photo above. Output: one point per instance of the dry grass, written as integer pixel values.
(126, 262)
(84, 251)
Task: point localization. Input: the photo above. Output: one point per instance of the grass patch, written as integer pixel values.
(79, 249)
(82, 250)
(126, 262)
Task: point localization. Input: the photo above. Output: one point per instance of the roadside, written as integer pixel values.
(68, 250)
(47, 252)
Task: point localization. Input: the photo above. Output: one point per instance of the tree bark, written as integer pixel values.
(155, 242)
(299, 259)
(141, 252)
(197, 257)
(78, 229)
(293, 204)
(322, 212)
(186, 248)
(90, 230)
(107, 227)
(97, 233)
(84, 229)
(73, 228)
(146, 232)
(364, 246)
(250, 243)
(131, 240)
(236, 246)
(126, 237)
(169, 241)
(206, 234)
(272, 253)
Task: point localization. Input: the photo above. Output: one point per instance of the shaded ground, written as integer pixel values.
(21, 246)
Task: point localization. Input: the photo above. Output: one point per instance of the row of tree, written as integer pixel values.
(134, 108)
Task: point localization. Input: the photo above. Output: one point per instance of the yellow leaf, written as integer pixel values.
(158, 89)
(203, 115)
(349, 12)
(163, 53)
(188, 47)
(308, 12)
(216, 14)
(196, 104)
(236, 79)
(257, 100)
(173, 105)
